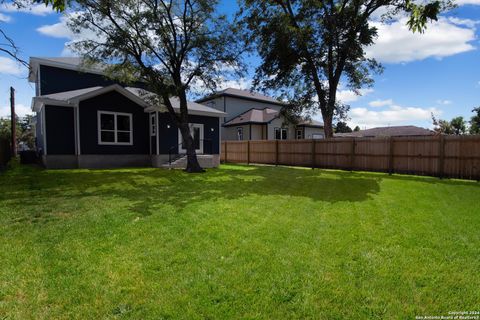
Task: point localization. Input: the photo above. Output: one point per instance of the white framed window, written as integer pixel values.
(196, 130)
(153, 127)
(280, 133)
(240, 133)
(115, 128)
(299, 133)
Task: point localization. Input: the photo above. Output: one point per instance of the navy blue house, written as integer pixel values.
(84, 120)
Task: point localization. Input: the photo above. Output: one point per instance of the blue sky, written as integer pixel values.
(438, 71)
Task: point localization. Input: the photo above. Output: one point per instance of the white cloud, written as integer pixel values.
(444, 102)
(10, 66)
(61, 30)
(380, 103)
(20, 110)
(242, 83)
(57, 30)
(5, 18)
(35, 9)
(347, 96)
(463, 22)
(394, 115)
(464, 2)
(396, 43)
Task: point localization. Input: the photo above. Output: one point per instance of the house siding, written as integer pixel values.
(236, 106)
(61, 135)
(53, 80)
(168, 133)
(39, 132)
(115, 102)
(309, 132)
(279, 123)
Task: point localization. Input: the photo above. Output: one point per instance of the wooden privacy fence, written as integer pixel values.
(441, 156)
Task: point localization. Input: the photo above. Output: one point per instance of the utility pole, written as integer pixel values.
(14, 122)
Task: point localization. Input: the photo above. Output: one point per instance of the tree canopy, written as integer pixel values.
(475, 121)
(7, 44)
(171, 46)
(308, 47)
(342, 127)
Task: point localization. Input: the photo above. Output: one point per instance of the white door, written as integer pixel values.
(196, 130)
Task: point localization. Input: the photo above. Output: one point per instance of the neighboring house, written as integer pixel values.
(393, 131)
(253, 116)
(85, 120)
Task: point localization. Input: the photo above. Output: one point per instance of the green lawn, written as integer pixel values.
(236, 242)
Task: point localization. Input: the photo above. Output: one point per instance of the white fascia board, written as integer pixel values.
(38, 103)
(190, 112)
(113, 87)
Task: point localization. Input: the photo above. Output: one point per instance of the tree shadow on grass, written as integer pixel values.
(147, 188)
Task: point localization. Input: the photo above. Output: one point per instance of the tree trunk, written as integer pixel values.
(327, 125)
(192, 162)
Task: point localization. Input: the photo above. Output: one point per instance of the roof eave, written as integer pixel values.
(35, 63)
(218, 95)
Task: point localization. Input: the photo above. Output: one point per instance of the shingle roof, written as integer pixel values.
(68, 97)
(310, 123)
(245, 94)
(394, 131)
(254, 116)
(67, 60)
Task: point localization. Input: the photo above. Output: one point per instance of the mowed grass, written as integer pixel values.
(238, 242)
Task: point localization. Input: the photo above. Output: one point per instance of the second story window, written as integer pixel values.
(115, 128)
(240, 133)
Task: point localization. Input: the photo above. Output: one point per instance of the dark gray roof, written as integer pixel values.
(67, 60)
(254, 116)
(67, 95)
(310, 123)
(242, 94)
(393, 131)
(137, 94)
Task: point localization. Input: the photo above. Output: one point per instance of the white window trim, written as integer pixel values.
(297, 131)
(238, 130)
(115, 131)
(191, 125)
(279, 129)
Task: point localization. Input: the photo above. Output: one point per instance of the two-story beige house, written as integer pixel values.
(253, 116)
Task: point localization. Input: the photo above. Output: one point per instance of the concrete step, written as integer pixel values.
(205, 160)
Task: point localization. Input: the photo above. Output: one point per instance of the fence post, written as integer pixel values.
(352, 155)
(313, 153)
(248, 152)
(390, 155)
(441, 156)
(276, 152)
(225, 159)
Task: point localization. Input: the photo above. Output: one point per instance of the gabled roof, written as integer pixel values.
(256, 116)
(137, 95)
(394, 131)
(242, 94)
(69, 63)
(310, 124)
(193, 107)
(73, 97)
